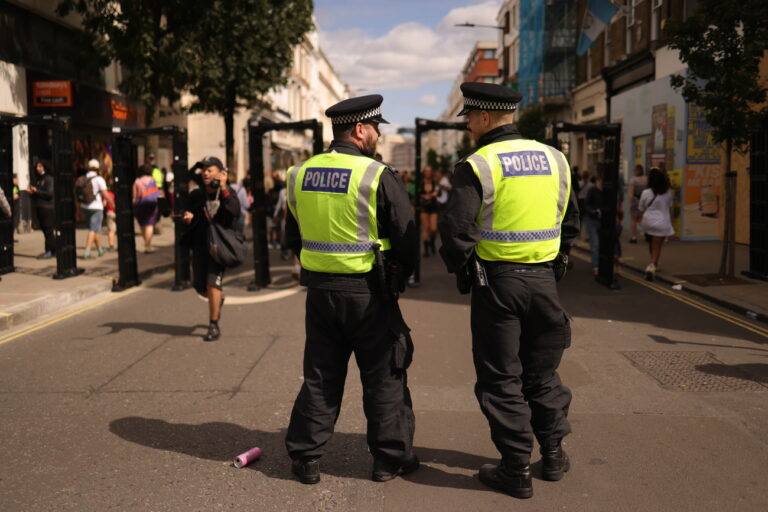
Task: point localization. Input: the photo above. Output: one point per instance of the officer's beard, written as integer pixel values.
(369, 146)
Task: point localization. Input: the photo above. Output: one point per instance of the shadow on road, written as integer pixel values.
(757, 372)
(152, 328)
(666, 341)
(347, 454)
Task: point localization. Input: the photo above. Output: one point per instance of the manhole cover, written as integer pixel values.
(692, 371)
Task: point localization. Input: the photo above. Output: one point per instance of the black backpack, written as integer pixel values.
(84, 189)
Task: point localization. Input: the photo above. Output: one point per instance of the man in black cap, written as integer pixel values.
(350, 221)
(501, 230)
(215, 202)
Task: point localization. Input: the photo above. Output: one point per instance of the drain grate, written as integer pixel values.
(692, 371)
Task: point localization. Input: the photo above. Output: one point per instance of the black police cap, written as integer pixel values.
(484, 96)
(209, 161)
(357, 110)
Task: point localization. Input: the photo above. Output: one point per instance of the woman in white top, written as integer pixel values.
(655, 202)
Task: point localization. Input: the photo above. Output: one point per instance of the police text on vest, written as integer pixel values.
(326, 179)
(524, 163)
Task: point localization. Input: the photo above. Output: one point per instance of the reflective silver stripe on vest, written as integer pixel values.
(489, 190)
(292, 186)
(363, 203)
(540, 235)
(334, 247)
(562, 197)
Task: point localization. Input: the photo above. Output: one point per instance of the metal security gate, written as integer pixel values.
(422, 126)
(256, 130)
(64, 200)
(611, 135)
(125, 163)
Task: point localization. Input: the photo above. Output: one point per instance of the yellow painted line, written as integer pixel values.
(73, 312)
(762, 331)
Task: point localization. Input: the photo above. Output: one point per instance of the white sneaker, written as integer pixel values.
(650, 272)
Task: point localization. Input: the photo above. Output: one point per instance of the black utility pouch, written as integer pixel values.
(402, 348)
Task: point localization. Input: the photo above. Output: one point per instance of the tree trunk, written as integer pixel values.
(732, 213)
(729, 232)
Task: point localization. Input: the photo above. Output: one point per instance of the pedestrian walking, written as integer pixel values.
(110, 214)
(637, 184)
(214, 201)
(42, 198)
(655, 202)
(356, 226)
(91, 192)
(242, 198)
(501, 233)
(592, 218)
(4, 205)
(16, 202)
(146, 195)
(429, 206)
(162, 203)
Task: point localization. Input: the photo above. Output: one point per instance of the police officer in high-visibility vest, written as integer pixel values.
(501, 231)
(351, 223)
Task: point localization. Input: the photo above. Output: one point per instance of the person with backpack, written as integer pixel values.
(91, 192)
(146, 196)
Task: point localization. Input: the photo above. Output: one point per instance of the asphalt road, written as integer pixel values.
(123, 407)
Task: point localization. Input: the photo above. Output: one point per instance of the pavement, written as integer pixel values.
(747, 297)
(30, 292)
(124, 407)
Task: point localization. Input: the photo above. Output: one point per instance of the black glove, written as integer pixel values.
(560, 265)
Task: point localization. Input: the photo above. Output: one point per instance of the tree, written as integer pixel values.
(722, 43)
(145, 37)
(228, 54)
(465, 147)
(244, 48)
(532, 122)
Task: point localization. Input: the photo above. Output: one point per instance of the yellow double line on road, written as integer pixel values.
(762, 331)
(67, 314)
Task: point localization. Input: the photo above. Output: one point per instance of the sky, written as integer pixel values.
(409, 51)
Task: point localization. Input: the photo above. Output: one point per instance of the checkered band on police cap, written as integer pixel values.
(475, 104)
(356, 117)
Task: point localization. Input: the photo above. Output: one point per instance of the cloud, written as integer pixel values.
(410, 54)
(428, 99)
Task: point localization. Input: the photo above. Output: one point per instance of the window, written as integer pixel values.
(630, 25)
(489, 54)
(656, 20)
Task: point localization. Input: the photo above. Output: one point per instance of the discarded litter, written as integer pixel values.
(246, 458)
(677, 287)
(752, 315)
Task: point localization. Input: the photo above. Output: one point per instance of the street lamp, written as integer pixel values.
(476, 25)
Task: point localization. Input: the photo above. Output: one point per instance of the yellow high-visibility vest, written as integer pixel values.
(332, 196)
(525, 192)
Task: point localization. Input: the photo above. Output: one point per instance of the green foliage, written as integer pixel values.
(532, 122)
(228, 54)
(432, 158)
(465, 147)
(722, 43)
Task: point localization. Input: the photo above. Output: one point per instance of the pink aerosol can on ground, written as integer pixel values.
(246, 458)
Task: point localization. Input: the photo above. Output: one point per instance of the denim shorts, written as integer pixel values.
(93, 218)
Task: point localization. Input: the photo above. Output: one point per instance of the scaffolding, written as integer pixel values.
(547, 50)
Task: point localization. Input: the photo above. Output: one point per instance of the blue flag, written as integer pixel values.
(597, 16)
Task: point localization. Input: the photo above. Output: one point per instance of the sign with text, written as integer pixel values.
(326, 179)
(524, 163)
(56, 93)
(701, 147)
(703, 203)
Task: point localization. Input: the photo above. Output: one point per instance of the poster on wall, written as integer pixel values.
(701, 147)
(640, 156)
(703, 201)
(703, 179)
(670, 135)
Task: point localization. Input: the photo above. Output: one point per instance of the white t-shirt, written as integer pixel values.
(98, 185)
(656, 218)
(445, 187)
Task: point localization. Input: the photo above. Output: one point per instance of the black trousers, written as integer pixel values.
(339, 323)
(47, 219)
(519, 333)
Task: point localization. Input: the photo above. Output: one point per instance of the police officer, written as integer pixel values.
(502, 230)
(351, 223)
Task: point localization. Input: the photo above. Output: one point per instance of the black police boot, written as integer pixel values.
(213, 332)
(513, 479)
(555, 461)
(383, 471)
(307, 470)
